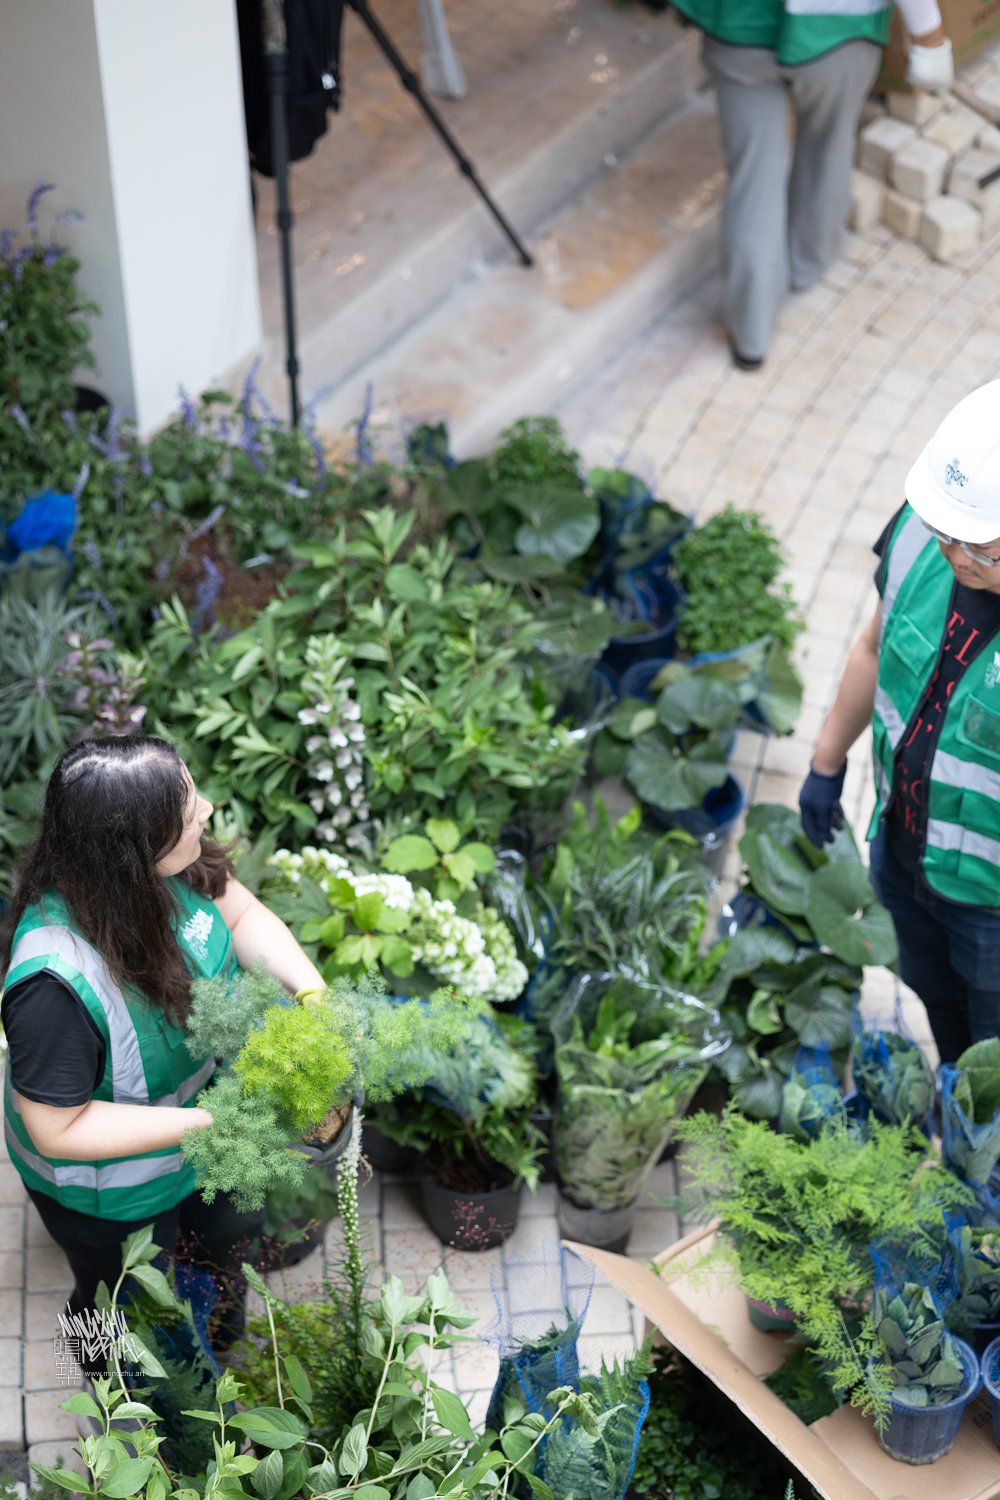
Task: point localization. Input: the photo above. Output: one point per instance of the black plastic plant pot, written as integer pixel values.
(923, 1434)
(604, 1228)
(660, 611)
(383, 1154)
(771, 1317)
(710, 825)
(326, 1153)
(471, 1221)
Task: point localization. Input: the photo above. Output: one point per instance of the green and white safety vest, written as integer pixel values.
(797, 30)
(961, 855)
(146, 1060)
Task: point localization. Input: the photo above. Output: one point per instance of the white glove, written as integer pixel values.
(930, 68)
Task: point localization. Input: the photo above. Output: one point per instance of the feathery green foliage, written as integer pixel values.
(245, 1149)
(800, 1216)
(583, 1461)
(224, 1012)
(298, 1059)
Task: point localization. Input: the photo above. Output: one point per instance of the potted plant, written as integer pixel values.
(728, 569)
(295, 1071)
(626, 1067)
(798, 1218)
(803, 926)
(419, 921)
(472, 1125)
(893, 1074)
(931, 1376)
(970, 1111)
(611, 895)
(974, 1252)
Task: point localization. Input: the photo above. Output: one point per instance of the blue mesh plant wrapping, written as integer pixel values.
(541, 1301)
(970, 1127)
(913, 1292)
(810, 1095)
(891, 1071)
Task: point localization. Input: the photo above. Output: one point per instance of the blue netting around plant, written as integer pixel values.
(541, 1301)
(892, 1073)
(970, 1147)
(810, 1095)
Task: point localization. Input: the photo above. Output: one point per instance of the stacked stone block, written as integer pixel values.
(929, 166)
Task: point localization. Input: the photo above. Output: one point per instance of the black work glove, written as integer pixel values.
(819, 804)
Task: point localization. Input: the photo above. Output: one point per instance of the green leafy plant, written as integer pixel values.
(598, 1460)
(820, 896)
(892, 1072)
(617, 1097)
(439, 859)
(970, 1111)
(679, 1452)
(357, 920)
(924, 1364)
(809, 1097)
(473, 1122)
(728, 569)
(299, 1070)
(799, 1218)
(44, 323)
(976, 1256)
(616, 896)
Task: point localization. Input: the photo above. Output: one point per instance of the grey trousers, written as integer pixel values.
(788, 194)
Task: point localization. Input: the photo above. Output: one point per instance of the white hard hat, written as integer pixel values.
(955, 483)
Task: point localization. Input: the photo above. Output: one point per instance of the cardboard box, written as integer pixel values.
(705, 1318)
(971, 25)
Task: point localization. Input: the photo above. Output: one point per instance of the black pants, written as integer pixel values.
(216, 1237)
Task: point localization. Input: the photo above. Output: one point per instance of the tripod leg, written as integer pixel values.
(412, 86)
(276, 71)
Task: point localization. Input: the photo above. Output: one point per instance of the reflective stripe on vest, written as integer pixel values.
(965, 775)
(955, 838)
(129, 1173)
(127, 1074)
(903, 553)
(895, 724)
(834, 7)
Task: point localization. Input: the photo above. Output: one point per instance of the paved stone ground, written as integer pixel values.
(865, 365)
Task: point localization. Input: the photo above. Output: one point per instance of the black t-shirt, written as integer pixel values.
(974, 617)
(56, 1053)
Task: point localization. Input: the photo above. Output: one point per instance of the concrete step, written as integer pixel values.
(386, 227)
(512, 341)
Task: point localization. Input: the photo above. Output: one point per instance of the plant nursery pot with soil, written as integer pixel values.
(471, 1220)
(770, 1317)
(604, 1228)
(329, 1139)
(923, 1434)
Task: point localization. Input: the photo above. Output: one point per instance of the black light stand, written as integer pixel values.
(276, 74)
(412, 86)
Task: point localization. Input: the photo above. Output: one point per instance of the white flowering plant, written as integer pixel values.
(357, 920)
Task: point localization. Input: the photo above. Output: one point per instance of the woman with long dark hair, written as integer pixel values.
(120, 904)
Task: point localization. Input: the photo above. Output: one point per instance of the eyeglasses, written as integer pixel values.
(982, 558)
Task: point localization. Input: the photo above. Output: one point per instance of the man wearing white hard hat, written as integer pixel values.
(926, 674)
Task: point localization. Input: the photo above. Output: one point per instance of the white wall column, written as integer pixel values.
(133, 108)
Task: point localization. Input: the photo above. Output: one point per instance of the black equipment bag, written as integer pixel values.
(313, 39)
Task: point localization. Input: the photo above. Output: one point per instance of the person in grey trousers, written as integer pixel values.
(790, 188)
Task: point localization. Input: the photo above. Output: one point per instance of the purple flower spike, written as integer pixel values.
(31, 212)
